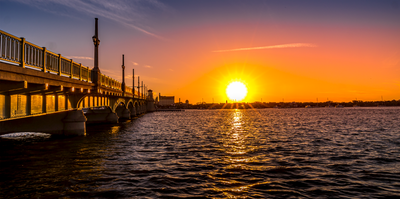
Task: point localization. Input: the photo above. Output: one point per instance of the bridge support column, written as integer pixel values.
(57, 123)
(7, 102)
(101, 115)
(123, 113)
(126, 114)
(144, 108)
(139, 110)
(74, 123)
(133, 112)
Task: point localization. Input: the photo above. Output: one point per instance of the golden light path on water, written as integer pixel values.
(237, 146)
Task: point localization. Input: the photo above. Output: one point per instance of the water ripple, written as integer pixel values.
(271, 153)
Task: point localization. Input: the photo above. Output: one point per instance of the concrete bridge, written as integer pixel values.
(41, 91)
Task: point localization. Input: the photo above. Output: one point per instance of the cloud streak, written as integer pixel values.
(79, 57)
(293, 45)
(128, 13)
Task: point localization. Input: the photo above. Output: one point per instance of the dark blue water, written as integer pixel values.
(270, 153)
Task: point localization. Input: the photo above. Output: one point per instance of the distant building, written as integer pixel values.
(166, 100)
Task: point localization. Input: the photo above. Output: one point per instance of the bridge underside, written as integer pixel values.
(42, 102)
(41, 91)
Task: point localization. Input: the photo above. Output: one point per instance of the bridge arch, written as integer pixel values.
(118, 103)
(131, 108)
(90, 100)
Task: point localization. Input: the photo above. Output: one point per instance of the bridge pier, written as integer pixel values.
(75, 123)
(133, 112)
(126, 114)
(58, 123)
(122, 112)
(101, 115)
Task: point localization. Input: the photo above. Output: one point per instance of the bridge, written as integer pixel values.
(41, 91)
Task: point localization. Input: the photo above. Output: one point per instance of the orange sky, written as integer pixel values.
(289, 50)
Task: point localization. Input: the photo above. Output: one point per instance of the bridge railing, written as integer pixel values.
(25, 54)
(10, 47)
(128, 90)
(110, 82)
(28, 55)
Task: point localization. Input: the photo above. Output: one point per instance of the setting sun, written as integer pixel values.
(236, 91)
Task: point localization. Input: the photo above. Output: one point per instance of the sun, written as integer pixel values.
(236, 91)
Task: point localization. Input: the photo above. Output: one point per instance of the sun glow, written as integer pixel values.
(236, 91)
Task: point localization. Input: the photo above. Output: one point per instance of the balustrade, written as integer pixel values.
(10, 47)
(18, 51)
(65, 67)
(33, 56)
(52, 62)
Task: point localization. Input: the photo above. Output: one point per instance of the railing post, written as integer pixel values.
(22, 53)
(88, 73)
(44, 103)
(72, 69)
(28, 104)
(59, 64)
(80, 71)
(44, 59)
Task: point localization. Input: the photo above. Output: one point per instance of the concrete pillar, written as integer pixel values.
(7, 111)
(112, 118)
(74, 123)
(44, 103)
(66, 102)
(133, 111)
(28, 104)
(101, 116)
(126, 114)
(56, 104)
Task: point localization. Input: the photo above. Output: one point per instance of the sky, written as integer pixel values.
(303, 51)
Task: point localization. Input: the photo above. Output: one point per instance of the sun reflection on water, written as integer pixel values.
(236, 148)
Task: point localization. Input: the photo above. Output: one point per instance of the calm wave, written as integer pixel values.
(274, 153)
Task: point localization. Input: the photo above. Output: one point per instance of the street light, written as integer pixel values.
(96, 41)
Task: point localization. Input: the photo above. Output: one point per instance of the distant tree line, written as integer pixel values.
(258, 105)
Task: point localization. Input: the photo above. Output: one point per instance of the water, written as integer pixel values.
(270, 153)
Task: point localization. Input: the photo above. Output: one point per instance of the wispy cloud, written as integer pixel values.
(79, 57)
(135, 64)
(128, 13)
(294, 45)
(147, 66)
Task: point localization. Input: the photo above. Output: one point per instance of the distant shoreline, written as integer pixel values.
(258, 105)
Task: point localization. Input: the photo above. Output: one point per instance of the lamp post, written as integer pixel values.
(96, 71)
(123, 75)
